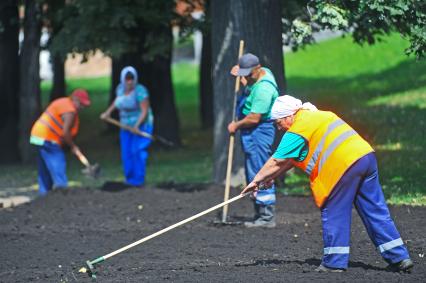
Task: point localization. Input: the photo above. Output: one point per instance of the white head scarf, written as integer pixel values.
(287, 105)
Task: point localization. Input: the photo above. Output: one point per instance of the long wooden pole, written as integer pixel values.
(137, 131)
(102, 258)
(231, 142)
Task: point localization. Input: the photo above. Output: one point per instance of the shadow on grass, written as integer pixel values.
(341, 91)
(398, 133)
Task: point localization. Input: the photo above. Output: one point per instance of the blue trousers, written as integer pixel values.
(257, 146)
(51, 168)
(134, 155)
(359, 186)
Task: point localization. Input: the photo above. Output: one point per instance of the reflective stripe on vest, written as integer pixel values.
(340, 139)
(49, 126)
(320, 146)
(333, 146)
(54, 119)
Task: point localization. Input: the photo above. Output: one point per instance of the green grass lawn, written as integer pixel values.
(378, 89)
(382, 93)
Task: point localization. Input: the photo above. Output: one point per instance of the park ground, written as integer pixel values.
(50, 239)
(377, 89)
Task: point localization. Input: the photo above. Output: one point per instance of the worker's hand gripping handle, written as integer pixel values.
(82, 158)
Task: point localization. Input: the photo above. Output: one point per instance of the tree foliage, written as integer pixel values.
(113, 26)
(368, 20)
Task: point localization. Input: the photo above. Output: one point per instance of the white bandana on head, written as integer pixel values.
(287, 105)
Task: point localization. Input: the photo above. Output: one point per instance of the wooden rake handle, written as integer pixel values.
(138, 132)
(231, 143)
(171, 227)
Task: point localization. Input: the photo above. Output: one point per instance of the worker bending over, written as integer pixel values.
(56, 127)
(342, 168)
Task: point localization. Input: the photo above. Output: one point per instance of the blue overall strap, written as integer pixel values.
(241, 100)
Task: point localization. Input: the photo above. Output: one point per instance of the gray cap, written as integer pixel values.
(246, 63)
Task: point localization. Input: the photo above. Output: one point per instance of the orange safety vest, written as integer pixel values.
(50, 124)
(333, 147)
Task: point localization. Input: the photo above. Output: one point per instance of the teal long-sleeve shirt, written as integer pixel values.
(292, 146)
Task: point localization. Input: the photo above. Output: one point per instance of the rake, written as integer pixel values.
(91, 264)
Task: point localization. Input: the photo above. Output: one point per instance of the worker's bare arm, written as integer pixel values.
(272, 169)
(108, 112)
(248, 121)
(144, 106)
(69, 119)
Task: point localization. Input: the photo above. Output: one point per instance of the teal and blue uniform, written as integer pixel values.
(257, 141)
(133, 147)
(359, 186)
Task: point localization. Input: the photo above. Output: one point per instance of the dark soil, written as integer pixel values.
(49, 239)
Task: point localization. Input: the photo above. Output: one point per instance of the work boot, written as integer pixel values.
(266, 217)
(324, 269)
(256, 211)
(404, 265)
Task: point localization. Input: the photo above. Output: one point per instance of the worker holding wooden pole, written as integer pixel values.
(257, 130)
(132, 101)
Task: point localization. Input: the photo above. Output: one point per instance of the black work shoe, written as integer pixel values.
(322, 268)
(404, 265)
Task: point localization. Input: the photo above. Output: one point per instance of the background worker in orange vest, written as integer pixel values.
(57, 125)
(343, 172)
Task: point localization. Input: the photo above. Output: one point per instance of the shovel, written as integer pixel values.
(91, 170)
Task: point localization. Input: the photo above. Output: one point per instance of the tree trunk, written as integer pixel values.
(29, 93)
(9, 80)
(206, 85)
(58, 87)
(58, 62)
(259, 25)
(156, 75)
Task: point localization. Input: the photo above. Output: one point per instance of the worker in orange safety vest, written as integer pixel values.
(57, 126)
(342, 168)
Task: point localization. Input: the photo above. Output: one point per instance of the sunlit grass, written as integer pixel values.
(377, 89)
(382, 93)
(412, 98)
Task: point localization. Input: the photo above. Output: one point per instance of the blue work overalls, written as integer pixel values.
(51, 167)
(134, 154)
(359, 186)
(257, 146)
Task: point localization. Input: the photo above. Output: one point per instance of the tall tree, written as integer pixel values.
(196, 16)
(29, 90)
(9, 79)
(258, 23)
(53, 20)
(156, 74)
(58, 81)
(206, 84)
